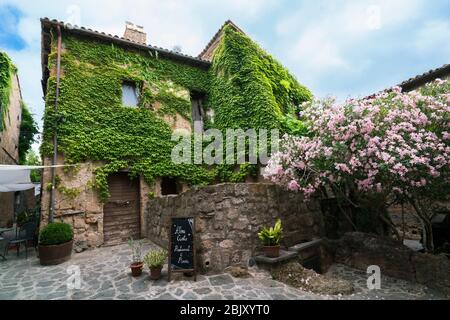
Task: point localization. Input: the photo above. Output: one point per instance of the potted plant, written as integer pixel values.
(155, 260)
(55, 243)
(136, 252)
(271, 239)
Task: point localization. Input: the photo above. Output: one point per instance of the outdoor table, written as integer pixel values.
(2, 230)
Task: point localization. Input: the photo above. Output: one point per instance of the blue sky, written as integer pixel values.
(339, 48)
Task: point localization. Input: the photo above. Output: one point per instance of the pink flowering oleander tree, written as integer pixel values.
(368, 153)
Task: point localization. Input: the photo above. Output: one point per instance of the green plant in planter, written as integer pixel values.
(55, 233)
(271, 236)
(156, 258)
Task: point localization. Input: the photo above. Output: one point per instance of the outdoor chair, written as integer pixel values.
(24, 235)
(3, 247)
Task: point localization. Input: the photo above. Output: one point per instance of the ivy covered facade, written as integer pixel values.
(237, 83)
(17, 130)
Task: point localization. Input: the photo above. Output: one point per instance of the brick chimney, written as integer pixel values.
(135, 33)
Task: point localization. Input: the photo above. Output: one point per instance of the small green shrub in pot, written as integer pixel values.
(271, 239)
(55, 243)
(55, 233)
(155, 260)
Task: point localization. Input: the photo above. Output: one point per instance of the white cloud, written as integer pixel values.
(323, 38)
(314, 47)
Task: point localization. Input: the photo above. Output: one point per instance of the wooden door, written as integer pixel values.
(121, 212)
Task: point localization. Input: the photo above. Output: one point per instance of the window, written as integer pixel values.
(169, 186)
(197, 100)
(130, 94)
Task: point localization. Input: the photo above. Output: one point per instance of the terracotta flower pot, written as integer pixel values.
(272, 251)
(155, 273)
(136, 269)
(55, 254)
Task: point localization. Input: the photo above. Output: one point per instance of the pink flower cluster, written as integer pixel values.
(394, 142)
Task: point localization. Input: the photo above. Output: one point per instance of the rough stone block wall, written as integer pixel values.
(83, 210)
(228, 218)
(77, 202)
(360, 250)
(407, 224)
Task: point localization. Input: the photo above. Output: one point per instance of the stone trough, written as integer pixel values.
(307, 253)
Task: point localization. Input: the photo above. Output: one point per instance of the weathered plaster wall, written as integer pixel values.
(9, 137)
(6, 208)
(228, 217)
(9, 147)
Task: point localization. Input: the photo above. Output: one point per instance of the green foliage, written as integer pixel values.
(94, 125)
(55, 233)
(69, 193)
(293, 126)
(245, 86)
(23, 218)
(249, 88)
(28, 129)
(32, 159)
(155, 258)
(7, 69)
(244, 171)
(271, 236)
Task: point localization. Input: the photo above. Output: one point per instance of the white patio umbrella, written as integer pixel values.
(17, 178)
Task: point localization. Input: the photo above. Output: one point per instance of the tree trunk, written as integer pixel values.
(428, 236)
(427, 227)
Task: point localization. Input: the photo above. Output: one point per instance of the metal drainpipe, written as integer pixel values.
(55, 138)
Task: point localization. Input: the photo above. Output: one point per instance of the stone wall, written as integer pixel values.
(9, 137)
(9, 147)
(406, 222)
(228, 217)
(360, 250)
(78, 204)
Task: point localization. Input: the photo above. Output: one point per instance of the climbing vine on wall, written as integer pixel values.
(249, 88)
(7, 69)
(28, 130)
(246, 89)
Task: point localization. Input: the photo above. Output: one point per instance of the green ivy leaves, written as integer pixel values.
(245, 87)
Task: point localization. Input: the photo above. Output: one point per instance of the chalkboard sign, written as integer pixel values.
(181, 246)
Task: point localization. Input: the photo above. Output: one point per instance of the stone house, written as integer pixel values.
(10, 120)
(112, 104)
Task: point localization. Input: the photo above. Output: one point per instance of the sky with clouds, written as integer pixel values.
(341, 48)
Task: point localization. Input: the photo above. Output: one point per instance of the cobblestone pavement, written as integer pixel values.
(106, 275)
